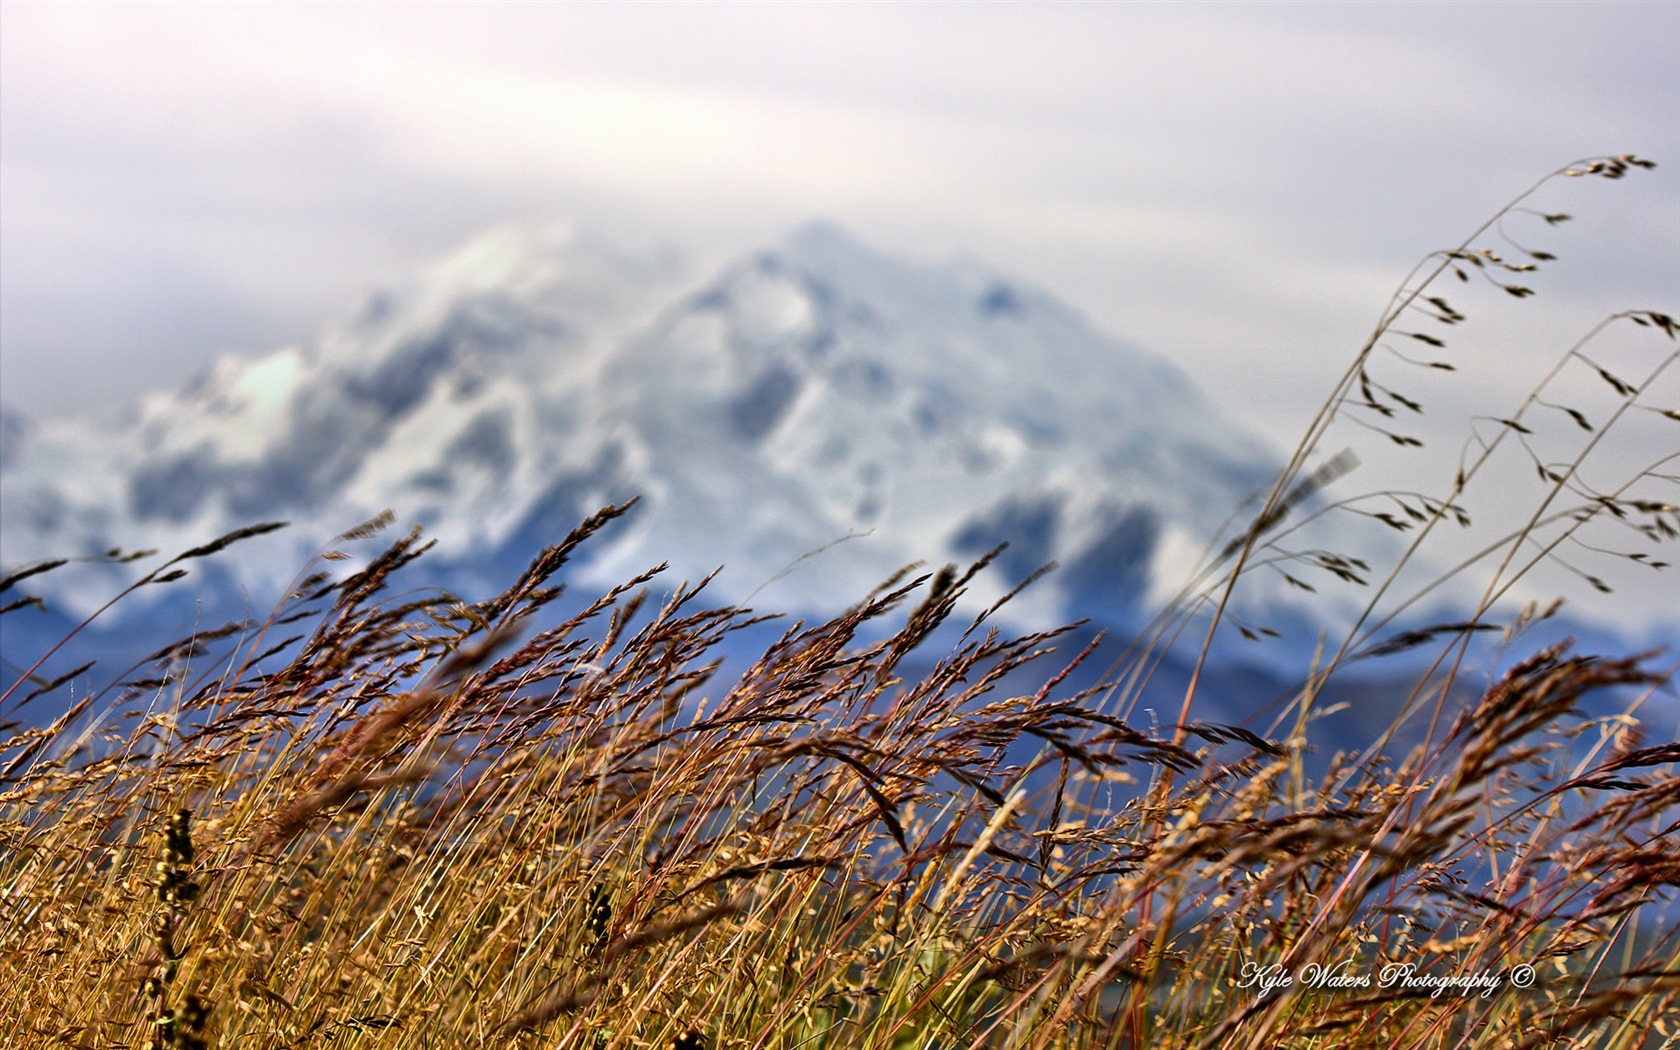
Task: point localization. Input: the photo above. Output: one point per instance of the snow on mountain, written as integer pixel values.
(448, 394)
(814, 392)
(819, 390)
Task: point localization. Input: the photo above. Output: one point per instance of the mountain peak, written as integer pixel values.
(817, 390)
(820, 232)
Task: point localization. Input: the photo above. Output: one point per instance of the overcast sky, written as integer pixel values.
(1235, 186)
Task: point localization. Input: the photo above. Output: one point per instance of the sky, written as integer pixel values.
(1237, 187)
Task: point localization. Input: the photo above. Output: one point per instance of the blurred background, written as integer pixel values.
(1234, 188)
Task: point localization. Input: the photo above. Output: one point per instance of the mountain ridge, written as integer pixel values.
(811, 391)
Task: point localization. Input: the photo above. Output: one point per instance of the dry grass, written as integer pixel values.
(438, 823)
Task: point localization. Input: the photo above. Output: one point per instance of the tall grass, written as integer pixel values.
(424, 821)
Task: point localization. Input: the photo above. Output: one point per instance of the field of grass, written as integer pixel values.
(388, 818)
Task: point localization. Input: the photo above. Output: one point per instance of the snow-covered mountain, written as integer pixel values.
(815, 391)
